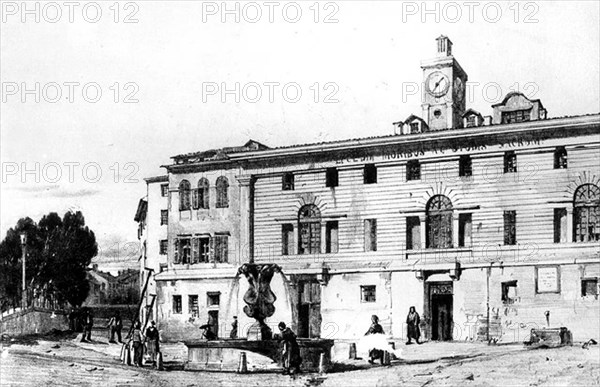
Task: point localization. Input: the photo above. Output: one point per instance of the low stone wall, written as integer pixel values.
(34, 321)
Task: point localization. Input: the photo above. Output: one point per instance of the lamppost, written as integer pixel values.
(23, 291)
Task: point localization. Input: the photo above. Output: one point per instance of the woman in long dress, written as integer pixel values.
(375, 328)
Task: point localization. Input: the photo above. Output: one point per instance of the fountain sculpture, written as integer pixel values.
(222, 354)
(259, 298)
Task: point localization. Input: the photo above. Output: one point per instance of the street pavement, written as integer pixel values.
(67, 361)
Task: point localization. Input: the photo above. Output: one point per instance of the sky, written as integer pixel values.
(98, 95)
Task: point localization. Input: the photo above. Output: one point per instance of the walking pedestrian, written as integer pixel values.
(412, 322)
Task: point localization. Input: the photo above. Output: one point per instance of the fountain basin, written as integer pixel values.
(223, 355)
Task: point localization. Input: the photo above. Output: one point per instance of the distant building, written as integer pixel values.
(108, 289)
(488, 225)
(101, 284)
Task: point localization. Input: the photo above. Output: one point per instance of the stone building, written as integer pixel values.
(488, 225)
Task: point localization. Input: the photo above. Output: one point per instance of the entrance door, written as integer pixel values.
(213, 321)
(441, 317)
(309, 309)
(440, 305)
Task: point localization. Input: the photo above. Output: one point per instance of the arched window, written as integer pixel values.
(439, 222)
(184, 195)
(586, 213)
(201, 195)
(222, 192)
(309, 229)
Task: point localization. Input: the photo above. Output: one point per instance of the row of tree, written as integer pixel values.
(59, 252)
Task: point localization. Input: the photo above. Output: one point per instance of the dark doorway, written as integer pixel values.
(309, 309)
(441, 317)
(441, 311)
(213, 321)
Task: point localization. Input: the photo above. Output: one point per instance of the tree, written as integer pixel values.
(58, 254)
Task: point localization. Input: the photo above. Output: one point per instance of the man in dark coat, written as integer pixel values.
(152, 339)
(290, 353)
(88, 323)
(412, 324)
(375, 328)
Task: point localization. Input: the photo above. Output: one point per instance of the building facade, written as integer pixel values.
(488, 225)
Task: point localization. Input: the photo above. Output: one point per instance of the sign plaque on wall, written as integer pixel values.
(547, 279)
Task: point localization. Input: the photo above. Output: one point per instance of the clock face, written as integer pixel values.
(437, 84)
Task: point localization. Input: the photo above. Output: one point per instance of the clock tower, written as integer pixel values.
(444, 84)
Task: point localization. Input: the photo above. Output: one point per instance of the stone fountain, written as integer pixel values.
(223, 354)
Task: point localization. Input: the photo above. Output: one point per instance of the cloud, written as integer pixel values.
(54, 190)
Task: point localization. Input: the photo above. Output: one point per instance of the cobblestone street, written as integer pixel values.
(70, 362)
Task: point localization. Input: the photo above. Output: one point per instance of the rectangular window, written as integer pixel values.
(560, 225)
(413, 170)
(185, 250)
(414, 127)
(465, 230)
(465, 166)
(163, 246)
(193, 306)
(368, 293)
(510, 227)
(370, 174)
(177, 308)
(287, 239)
(164, 190)
(509, 292)
(310, 238)
(413, 233)
(213, 298)
(331, 177)
(589, 287)
(331, 237)
(164, 217)
(510, 162)
(221, 248)
(204, 249)
(471, 121)
(370, 234)
(560, 158)
(516, 116)
(287, 182)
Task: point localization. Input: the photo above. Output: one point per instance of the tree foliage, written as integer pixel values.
(58, 254)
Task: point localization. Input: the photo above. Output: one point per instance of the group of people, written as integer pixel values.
(149, 340)
(413, 332)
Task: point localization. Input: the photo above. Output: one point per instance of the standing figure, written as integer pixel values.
(234, 328)
(375, 328)
(152, 340)
(412, 323)
(137, 343)
(88, 323)
(290, 353)
(115, 324)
